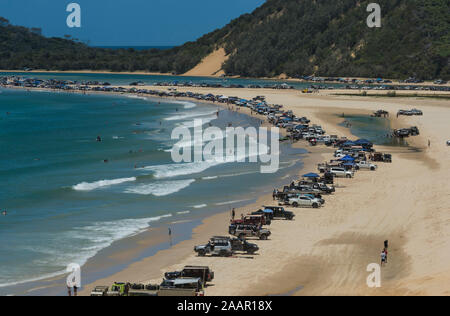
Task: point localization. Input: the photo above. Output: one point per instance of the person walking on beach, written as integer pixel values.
(383, 257)
(429, 143)
(170, 236)
(386, 255)
(233, 214)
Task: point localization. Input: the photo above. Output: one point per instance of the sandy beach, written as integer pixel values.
(326, 251)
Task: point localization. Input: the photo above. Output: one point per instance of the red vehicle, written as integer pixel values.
(255, 220)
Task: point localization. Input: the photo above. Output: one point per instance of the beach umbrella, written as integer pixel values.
(311, 175)
(347, 158)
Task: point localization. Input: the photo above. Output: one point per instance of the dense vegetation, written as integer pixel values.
(294, 37)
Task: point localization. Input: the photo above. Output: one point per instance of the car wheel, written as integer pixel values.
(295, 204)
(349, 176)
(223, 253)
(263, 237)
(372, 168)
(315, 205)
(241, 236)
(201, 253)
(357, 167)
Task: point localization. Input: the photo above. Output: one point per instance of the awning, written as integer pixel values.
(311, 175)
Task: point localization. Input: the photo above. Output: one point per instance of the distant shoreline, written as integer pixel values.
(280, 79)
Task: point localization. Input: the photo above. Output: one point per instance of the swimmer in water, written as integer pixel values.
(99, 139)
(4, 213)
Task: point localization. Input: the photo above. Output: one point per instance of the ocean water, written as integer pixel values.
(69, 197)
(126, 79)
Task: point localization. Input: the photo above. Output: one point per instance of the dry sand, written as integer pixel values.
(326, 251)
(211, 65)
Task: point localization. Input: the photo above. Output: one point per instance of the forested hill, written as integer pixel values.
(292, 37)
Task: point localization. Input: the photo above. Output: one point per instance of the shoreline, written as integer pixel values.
(280, 79)
(351, 230)
(141, 238)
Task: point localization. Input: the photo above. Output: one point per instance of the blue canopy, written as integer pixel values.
(311, 175)
(348, 144)
(347, 158)
(363, 142)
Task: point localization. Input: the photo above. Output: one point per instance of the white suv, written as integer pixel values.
(305, 201)
(366, 165)
(342, 173)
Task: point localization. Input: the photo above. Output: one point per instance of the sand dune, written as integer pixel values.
(211, 65)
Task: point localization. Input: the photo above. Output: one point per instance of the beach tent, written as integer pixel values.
(347, 159)
(363, 142)
(311, 175)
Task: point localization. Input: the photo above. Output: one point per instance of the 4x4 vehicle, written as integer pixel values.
(276, 212)
(341, 173)
(366, 165)
(202, 272)
(252, 220)
(246, 231)
(304, 201)
(182, 287)
(100, 291)
(215, 247)
(119, 289)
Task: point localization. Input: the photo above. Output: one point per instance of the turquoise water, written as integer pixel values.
(69, 196)
(126, 79)
(374, 129)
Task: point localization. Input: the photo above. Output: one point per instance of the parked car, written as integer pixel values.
(100, 291)
(304, 201)
(215, 247)
(341, 173)
(252, 220)
(202, 272)
(182, 287)
(277, 212)
(366, 165)
(246, 231)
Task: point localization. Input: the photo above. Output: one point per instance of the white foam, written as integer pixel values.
(183, 213)
(230, 202)
(181, 169)
(200, 206)
(85, 186)
(210, 178)
(98, 235)
(161, 188)
(189, 115)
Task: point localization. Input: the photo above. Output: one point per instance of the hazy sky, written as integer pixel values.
(128, 22)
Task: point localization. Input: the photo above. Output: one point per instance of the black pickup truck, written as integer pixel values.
(273, 212)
